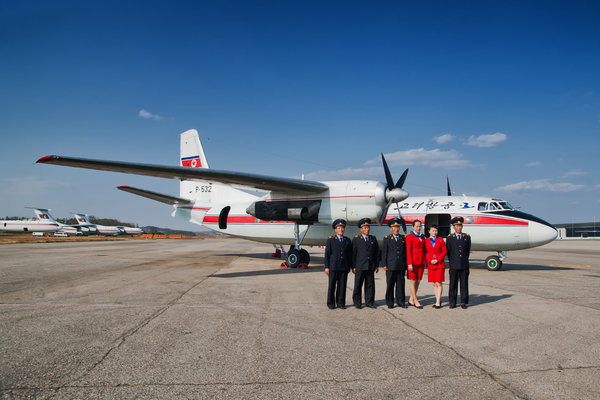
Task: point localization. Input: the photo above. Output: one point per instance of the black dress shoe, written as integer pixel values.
(372, 306)
(463, 306)
(452, 306)
(358, 306)
(392, 306)
(402, 305)
(331, 307)
(342, 307)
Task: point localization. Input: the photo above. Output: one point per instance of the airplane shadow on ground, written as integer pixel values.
(479, 264)
(316, 265)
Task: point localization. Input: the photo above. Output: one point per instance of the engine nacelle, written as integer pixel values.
(304, 211)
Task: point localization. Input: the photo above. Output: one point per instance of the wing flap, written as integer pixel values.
(262, 182)
(163, 198)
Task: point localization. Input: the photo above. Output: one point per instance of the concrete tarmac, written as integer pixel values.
(218, 318)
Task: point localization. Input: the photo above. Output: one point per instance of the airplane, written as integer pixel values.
(297, 212)
(44, 223)
(63, 229)
(83, 220)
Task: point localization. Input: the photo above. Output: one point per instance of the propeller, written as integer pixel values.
(393, 192)
(448, 186)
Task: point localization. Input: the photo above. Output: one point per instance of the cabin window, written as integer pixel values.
(482, 207)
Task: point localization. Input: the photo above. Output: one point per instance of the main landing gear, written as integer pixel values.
(494, 263)
(297, 257)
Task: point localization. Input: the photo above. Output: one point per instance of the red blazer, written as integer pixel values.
(439, 251)
(415, 250)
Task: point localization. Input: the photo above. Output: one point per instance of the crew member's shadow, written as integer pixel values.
(474, 299)
(316, 265)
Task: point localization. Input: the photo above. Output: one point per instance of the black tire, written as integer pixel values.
(493, 263)
(293, 258)
(304, 257)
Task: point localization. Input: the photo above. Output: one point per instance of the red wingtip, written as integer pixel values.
(122, 186)
(45, 159)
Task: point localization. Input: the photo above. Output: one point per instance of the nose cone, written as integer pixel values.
(540, 234)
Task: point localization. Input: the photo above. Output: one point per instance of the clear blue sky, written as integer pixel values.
(504, 97)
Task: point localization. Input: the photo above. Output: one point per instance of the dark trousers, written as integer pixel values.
(368, 279)
(394, 279)
(336, 290)
(457, 275)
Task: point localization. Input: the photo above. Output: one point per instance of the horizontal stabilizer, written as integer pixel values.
(262, 182)
(163, 198)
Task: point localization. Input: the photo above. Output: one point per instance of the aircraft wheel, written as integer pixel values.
(293, 258)
(304, 256)
(493, 263)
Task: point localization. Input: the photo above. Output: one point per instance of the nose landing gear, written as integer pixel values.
(494, 263)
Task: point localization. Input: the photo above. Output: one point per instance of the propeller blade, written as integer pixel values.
(388, 175)
(400, 182)
(383, 214)
(448, 185)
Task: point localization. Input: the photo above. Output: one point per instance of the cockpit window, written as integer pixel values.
(494, 206)
(482, 207)
(506, 205)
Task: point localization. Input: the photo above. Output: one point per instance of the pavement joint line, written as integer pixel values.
(121, 340)
(483, 370)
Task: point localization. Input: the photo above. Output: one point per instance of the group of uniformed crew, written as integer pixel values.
(400, 255)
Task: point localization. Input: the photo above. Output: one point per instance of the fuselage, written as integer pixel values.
(28, 226)
(492, 223)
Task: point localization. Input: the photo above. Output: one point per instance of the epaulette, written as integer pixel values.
(386, 237)
(331, 237)
(356, 236)
(452, 234)
(466, 234)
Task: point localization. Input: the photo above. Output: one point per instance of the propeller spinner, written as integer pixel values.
(393, 192)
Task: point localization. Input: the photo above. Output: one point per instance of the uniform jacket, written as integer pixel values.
(365, 254)
(415, 250)
(393, 254)
(458, 251)
(439, 251)
(338, 256)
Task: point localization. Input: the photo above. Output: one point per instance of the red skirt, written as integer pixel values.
(435, 275)
(416, 274)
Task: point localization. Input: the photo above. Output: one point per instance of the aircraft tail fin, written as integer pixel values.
(192, 153)
(200, 192)
(43, 214)
(82, 219)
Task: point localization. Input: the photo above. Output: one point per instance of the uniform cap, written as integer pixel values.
(364, 221)
(394, 222)
(337, 222)
(457, 221)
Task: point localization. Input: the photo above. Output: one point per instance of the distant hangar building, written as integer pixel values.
(578, 230)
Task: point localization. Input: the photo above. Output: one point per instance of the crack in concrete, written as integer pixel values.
(121, 340)
(483, 370)
(296, 382)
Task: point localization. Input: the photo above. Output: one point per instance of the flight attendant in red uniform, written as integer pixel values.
(435, 253)
(415, 258)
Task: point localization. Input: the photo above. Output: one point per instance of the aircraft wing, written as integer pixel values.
(262, 182)
(163, 198)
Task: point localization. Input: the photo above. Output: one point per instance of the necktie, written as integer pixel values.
(459, 236)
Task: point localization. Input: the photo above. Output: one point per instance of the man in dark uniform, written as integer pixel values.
(458, 245)
(338, 260)
(365, 254)
(393, 259)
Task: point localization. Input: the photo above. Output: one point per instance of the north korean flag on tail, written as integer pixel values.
(192, 162)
